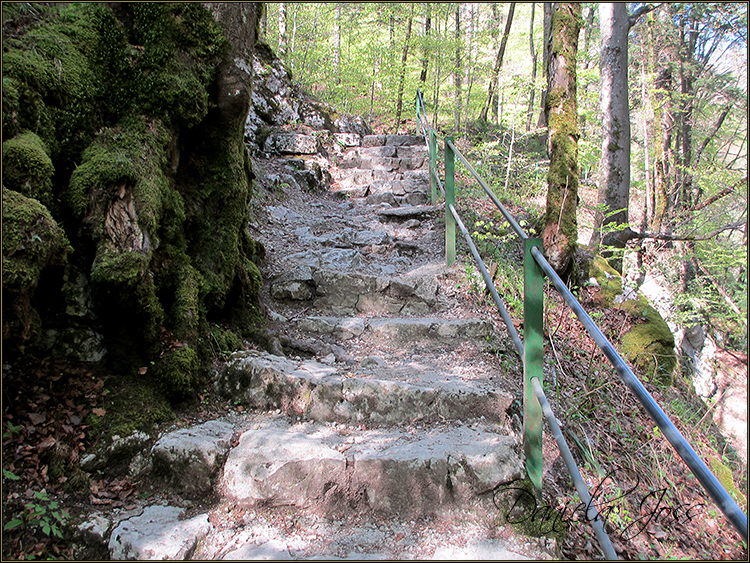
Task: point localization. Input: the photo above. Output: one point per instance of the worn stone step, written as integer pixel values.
(376, 392)
(343, 292)
(411, 472)
(399, 331)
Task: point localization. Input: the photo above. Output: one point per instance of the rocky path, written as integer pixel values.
(382, 422)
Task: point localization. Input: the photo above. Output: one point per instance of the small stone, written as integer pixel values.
(412, 224)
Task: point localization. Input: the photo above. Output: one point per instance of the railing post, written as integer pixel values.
(533, 343)
(450, 199)
(433, 167)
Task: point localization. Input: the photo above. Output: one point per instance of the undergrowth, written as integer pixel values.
(652, 504)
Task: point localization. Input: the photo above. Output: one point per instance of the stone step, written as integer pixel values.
(399, 331)
(406, 472)
(375, 392)
(343, 292)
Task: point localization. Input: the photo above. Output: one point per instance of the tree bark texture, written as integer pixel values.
(614, 165)
(282, 30)
(560, 233)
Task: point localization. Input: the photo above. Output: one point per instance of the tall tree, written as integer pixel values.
(560, 233)
(457, 70)
(614, 165)
(532, 52)
(492, 92)
(402, 76)
(337, 42)
(546, 50)
(282, 30)
(425, 44)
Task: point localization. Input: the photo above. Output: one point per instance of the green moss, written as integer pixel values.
(649, 344)
(177, 372)
(724, 475)
(132, 405)
(27, 167)
(31, 241)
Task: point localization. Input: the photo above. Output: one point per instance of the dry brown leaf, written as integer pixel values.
(37, 419)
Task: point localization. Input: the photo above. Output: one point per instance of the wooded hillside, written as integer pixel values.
(483, 68)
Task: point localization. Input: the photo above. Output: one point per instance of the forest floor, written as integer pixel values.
(654, 507)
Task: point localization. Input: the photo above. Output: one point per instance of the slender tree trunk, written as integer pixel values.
(547, 48)
(282, 30)
(532, 92)
(425, 46)
(492, 93)
(457, 71)
(614, 166)
(469, 58)
(560, 233)
(337, 42)
(402, 76)
(294, 31)
(587, 58)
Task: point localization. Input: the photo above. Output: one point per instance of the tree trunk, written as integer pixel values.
(587, 58)
(282, 30)
(337, 42)
(425, 47)
(457, 71)
(532, 92)
(614, 166)
(560, 233)
(469, 58)
(547, 47)
(402, 76)
(492, 93)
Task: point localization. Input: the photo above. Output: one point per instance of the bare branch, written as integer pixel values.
(718, 196)
(629, 234)
(719, 288)
(642, 11)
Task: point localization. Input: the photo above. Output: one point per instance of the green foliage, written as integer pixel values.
(42, 514)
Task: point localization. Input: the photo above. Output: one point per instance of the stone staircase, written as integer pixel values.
(380, 425)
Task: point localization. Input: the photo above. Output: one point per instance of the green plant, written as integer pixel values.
(43, 514)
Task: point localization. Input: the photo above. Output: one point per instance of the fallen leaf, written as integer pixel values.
(142, 371)
(37, 419)
(99, 412)
(48, 442)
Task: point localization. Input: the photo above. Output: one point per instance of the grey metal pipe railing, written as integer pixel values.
(709, 482)
(508, 217)
(712, 485)
(490, 284)
(592, 514)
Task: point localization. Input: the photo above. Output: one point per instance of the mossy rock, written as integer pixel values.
(32, 240)
(27, 167)
(177, 372)
(649, 344)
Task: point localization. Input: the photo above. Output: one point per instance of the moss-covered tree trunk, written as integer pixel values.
(560, 233)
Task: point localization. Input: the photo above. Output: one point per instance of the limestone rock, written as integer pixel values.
(274, 465)
(158, 534)
(190, 457)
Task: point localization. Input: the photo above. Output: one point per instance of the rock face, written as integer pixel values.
(189, 458)
(276, 103)
(158, 533)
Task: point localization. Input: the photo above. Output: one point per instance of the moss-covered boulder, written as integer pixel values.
(649, 344)
(32, 241)
(137, 112)
(27, 167)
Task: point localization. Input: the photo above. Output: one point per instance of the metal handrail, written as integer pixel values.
(709, 482)
(592, 515)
